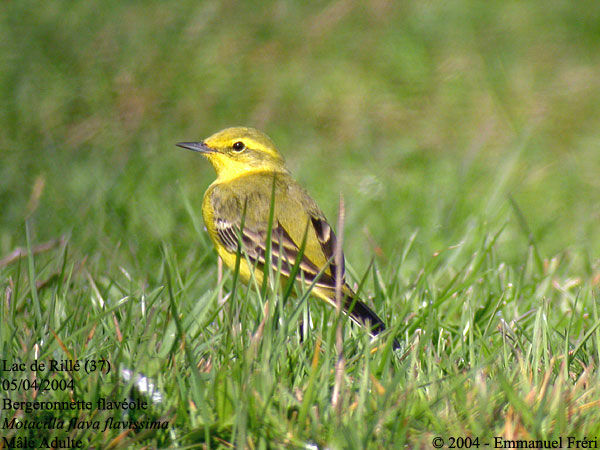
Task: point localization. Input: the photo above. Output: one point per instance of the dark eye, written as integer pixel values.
(239, 146)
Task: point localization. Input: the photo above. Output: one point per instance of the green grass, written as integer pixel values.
(464, 139)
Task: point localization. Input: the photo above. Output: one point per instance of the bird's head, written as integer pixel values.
(236, 151)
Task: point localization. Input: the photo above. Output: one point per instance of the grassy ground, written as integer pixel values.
(464, 138)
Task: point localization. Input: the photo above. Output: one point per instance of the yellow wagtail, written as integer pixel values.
(251, 175)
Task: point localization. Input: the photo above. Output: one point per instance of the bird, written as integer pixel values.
(254, 194)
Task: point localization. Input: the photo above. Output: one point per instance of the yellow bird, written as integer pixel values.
(248, 168)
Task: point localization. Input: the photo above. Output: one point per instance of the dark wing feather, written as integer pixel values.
(284, 251)
(327, 239)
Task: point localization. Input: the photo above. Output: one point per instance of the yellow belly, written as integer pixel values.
(245, 273)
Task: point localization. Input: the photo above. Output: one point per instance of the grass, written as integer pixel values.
(464, 139)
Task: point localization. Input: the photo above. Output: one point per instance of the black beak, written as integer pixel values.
(195, 146)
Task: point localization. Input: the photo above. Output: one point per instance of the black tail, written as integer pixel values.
(366, 317)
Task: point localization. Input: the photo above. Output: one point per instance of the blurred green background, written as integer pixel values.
(442, 121)
(425, 115)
